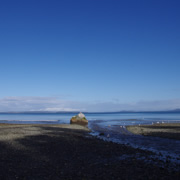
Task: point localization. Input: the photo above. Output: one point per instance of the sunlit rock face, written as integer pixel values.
(81, 115)
(79, 119)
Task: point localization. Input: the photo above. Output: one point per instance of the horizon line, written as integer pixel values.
(53, 112)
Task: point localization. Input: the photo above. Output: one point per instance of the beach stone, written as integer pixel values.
(79, 119)
(101, 134)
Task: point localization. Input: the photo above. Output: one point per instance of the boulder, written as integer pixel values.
(79, 119)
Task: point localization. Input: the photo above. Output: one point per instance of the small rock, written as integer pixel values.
(79, 119)
(101, 134)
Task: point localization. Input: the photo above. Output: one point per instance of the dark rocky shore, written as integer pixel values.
(165, 130)
(67, 152)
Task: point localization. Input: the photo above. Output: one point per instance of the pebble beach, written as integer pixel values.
(32, 151)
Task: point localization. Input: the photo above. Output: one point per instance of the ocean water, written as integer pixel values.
(112, 125)
(101, 118)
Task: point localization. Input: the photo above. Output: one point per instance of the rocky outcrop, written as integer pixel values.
(79, 119)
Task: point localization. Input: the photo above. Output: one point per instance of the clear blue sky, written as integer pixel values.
(89, 52)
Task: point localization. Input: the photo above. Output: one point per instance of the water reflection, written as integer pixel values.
(116, 131)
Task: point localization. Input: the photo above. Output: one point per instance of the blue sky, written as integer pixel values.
(92, 55)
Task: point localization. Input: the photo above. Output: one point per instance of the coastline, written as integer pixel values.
(39, 151)
(163, 130)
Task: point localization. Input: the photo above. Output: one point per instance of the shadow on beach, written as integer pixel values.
(53, 152)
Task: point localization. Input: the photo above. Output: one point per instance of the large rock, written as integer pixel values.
(79, 119)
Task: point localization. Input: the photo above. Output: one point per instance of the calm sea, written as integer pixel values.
(104, 118)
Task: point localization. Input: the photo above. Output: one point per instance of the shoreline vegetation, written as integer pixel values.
(163, 130)
(67, 151)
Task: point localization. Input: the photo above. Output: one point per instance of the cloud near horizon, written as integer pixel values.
(56, 104)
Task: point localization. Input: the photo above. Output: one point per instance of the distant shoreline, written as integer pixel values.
(87, 112)
(166, 130)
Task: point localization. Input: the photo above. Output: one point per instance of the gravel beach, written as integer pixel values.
(68, 152)
(163, 130)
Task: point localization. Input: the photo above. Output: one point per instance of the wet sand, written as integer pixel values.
(166, 130)
(69, 152)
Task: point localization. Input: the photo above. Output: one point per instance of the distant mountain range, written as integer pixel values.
(75, 112)
(176, 110)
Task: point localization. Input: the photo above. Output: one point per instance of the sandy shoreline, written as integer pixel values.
(65, 152)
(166, 130)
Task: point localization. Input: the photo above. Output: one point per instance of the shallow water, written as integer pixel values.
(164, 149)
